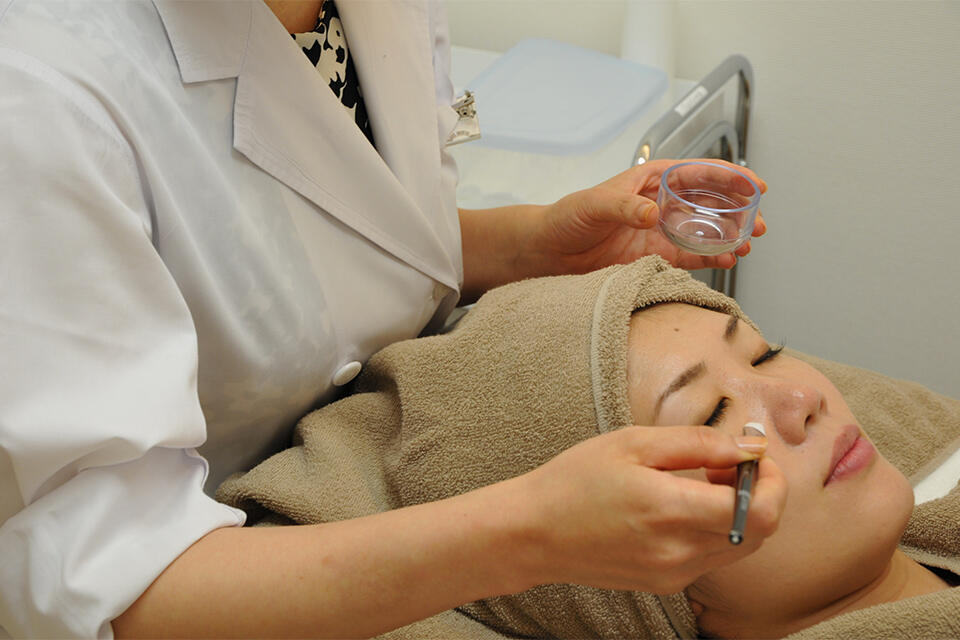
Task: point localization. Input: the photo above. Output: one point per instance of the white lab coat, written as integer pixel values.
(195, 238)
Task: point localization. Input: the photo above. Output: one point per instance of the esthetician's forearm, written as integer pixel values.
(493, 247)
(347, 579)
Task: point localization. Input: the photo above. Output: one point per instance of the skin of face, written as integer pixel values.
(835, 541)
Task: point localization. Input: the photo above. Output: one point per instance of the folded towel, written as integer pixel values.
(533, 369)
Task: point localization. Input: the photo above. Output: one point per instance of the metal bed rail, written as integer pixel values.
(710, 121)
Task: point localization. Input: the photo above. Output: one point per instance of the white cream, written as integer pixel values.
(756, 425)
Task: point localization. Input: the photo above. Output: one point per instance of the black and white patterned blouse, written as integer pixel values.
(326, 48)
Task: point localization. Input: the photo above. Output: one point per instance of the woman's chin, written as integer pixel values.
(830, 572)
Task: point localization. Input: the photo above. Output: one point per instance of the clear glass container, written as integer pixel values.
(707, 208)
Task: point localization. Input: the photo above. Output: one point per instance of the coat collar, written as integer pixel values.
(208, 42)
(289, 123)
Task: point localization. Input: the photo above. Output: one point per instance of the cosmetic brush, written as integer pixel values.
(746, 476)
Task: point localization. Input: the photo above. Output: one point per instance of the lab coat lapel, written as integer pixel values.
(287, 121)
(393, 56)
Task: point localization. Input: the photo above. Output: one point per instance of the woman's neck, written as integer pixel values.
(903, 578)
(296, 16)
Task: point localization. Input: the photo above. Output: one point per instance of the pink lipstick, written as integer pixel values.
(851, 454)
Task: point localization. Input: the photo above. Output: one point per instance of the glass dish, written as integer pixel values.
(707, 208)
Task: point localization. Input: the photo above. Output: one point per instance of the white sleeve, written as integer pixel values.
(99, 410)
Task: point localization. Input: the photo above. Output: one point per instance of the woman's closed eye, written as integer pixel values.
(718, 412)
(769, 354)
(721, 408)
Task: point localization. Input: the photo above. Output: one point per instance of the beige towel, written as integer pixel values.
(534, 368)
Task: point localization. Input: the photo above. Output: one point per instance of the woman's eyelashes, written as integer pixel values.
(721, 409)
(718, 412)
(769, 354)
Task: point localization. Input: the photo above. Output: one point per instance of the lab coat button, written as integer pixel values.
(346, 373)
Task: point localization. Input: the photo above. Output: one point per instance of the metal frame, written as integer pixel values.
(724, 138)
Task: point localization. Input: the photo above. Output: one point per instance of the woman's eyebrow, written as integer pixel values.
(682, 380)
(732, 325)
(695, 371)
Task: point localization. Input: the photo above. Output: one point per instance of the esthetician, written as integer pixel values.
(206, 227)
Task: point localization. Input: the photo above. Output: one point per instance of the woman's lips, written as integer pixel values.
(851, 453)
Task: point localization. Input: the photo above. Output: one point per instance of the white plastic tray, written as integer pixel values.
(544, 96)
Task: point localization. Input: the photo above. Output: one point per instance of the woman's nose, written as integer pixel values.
(793, 407)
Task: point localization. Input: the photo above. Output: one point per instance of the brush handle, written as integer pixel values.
(746, 474)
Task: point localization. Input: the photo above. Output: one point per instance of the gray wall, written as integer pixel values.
(856, 128)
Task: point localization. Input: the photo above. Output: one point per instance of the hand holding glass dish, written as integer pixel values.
(707, 208)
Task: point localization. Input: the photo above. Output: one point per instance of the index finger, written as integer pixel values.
(691, 447)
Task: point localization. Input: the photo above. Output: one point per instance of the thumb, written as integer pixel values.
(609, 205)
(686, 447)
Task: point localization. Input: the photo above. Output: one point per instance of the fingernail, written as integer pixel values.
(651, 214)
(752, 444)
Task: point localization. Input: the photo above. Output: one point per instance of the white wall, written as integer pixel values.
(497, 25)
(856, 128)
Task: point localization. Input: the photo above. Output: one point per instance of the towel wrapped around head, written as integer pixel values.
(534, 368)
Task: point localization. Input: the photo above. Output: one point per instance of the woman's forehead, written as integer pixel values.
(678, 314)
(669, 336)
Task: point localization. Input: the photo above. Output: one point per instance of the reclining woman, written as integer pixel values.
(542, 365)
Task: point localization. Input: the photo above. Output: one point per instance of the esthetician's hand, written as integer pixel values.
(608, 512)
(615, 222)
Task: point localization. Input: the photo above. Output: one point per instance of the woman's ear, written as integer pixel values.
(696, 606)
(710, 609)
